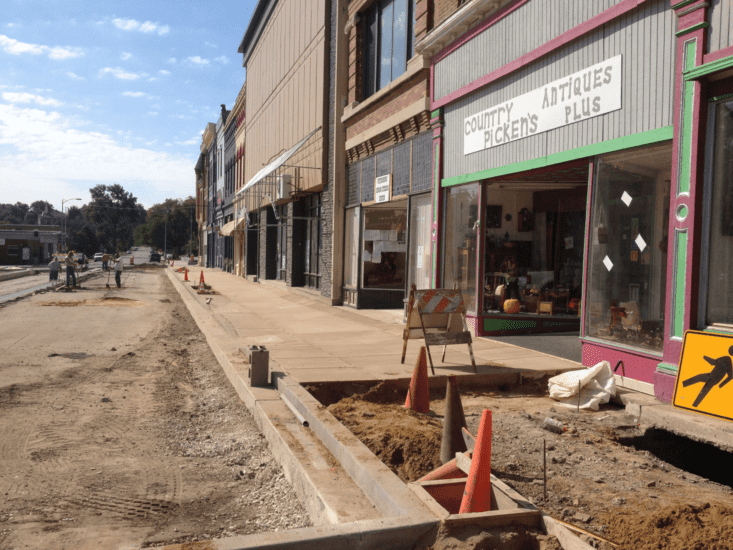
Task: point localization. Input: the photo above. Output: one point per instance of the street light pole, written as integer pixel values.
(63, 240)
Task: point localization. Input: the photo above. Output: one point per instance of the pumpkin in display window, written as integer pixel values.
(511, 306)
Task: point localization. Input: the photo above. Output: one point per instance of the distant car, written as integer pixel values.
(128, 252)
(154, 257)
(98, 257)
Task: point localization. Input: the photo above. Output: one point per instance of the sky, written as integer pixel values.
(112, 92)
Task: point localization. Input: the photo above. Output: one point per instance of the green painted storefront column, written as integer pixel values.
(682, 257)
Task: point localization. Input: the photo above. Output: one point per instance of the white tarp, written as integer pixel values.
(597, 386)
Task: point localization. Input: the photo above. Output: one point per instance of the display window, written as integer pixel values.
(282, 242)
(460, 240)
(718, 280)
(534, 227)
(627, 271)
(421, 212)
(384, 251)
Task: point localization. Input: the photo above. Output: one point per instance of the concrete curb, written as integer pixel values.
(406, 518)
(17, 274)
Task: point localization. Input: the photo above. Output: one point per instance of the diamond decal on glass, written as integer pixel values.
(641, 243)
(608, 263)
(626, 198)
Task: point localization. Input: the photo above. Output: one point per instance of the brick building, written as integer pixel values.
(388, 145)
(28, 244)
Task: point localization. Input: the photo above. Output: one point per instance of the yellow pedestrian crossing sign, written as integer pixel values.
(705, 376)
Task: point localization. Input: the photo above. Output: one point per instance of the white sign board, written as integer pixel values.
(26, 253)
(381, 188)
(2, 242)
(586, 94)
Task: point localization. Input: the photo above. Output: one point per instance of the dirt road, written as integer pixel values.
(118, 428)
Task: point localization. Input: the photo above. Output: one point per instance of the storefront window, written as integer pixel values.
(459, 253)
(420, 223)
(385, 247)
(720, 280)
(625, 297)
(351, 248)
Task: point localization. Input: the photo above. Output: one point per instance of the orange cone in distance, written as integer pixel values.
(185, 275)
(453, 420)
(418, 396)
(477, 494)
(201, 282)
(202, 278)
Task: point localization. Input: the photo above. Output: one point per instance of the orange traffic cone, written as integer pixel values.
(202, 278)
(418, 396)
(132, 260)
(201, 282)
(477, 494)
(449, 470)
(185, 276)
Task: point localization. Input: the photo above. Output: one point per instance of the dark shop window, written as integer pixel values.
(388, 42)
(313, 241)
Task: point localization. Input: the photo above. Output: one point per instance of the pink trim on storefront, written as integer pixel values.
(554, 44)
(714, 56)
(637, 366)
(673, 346)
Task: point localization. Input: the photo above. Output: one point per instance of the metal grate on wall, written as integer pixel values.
(422, 162)
(384, 163)
(401, 178)
(367, 179)
(352, 177)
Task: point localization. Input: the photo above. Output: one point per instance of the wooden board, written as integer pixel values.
(705, 376)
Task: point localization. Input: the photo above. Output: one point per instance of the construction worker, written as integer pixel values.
(118, 270)
(105, 262)
(53, 269)
(70, 265)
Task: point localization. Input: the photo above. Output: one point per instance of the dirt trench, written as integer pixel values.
(595, 480)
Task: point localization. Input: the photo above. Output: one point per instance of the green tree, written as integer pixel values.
(168, 225)
(114, 213)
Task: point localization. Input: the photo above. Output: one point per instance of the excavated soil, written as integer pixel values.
(627, 496)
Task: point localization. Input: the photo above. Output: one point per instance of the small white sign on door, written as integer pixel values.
(381, 188)
(419, 256)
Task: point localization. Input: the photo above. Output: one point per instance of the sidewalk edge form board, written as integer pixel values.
(705, 377)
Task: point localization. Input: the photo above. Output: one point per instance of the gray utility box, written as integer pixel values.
(259, 366)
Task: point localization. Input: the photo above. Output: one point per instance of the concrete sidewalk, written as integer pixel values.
(315, 342)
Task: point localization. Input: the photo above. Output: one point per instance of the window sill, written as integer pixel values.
(414, 66)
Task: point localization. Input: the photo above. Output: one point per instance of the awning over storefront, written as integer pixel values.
(264, 183)
(227, 229)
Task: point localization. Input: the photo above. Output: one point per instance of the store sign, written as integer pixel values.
(705, 376)
(381, 188)
(586, 94)
(2, 242)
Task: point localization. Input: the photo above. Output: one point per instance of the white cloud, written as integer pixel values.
(14, 47)
(171, 60)
(164, 72)
(23, 97)
(193, 141)
(74, 76)
(153, 113)
(125, 56)
(222, 59)
(126, 24)
(147, 27)
(121, 74)
(196, 60)
(46, 155)
(137, 94)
